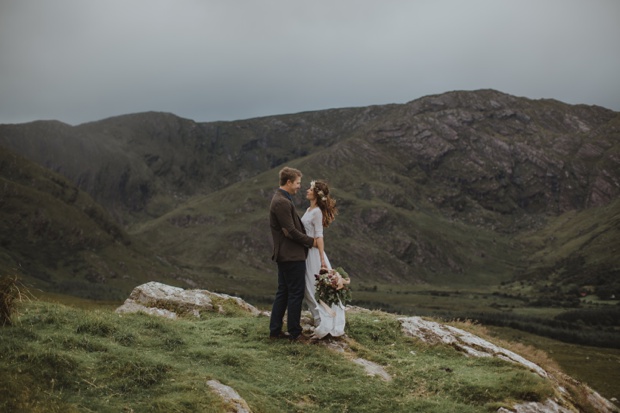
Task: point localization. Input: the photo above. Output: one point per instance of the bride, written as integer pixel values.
(321, 213)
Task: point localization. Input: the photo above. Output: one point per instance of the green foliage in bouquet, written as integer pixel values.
(332, 286)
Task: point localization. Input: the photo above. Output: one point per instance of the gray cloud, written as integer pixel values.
(83, 60)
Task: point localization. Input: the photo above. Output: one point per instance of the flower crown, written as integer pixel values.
(319, 193)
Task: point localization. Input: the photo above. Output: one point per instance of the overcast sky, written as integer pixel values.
(85, 60)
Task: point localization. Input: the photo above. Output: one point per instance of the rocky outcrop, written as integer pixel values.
(468, 343)
(474, 346)
(230, 396)
(505, 154)
(549, 406)
(341, 345)
(163, 300)
(373, 369)
(131, 306)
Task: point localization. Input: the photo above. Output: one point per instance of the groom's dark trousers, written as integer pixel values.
(290, 294)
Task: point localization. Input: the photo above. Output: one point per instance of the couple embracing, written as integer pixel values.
(299, 250)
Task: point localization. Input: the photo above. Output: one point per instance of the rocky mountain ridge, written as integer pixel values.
(434, 190)
(129, 163)
(499, 151)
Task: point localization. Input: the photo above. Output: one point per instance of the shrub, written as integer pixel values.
(10, 295)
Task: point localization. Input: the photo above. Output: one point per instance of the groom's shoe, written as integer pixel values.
(281, 335)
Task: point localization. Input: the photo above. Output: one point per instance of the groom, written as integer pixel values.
(290, 248)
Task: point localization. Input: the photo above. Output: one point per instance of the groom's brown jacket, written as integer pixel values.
(290, 242)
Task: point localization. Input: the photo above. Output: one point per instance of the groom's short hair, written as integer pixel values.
(288, 174)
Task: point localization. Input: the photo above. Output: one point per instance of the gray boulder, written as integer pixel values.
(163, 300)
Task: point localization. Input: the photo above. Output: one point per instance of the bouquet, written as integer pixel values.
(332, 286)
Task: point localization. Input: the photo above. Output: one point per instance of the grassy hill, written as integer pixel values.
(57, 239)
(224, 237)
(574, 251)
(57, 358)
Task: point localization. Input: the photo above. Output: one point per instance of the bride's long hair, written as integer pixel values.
(324, 201)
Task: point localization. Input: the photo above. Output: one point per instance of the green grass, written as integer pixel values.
(62, 359)
(599, 367)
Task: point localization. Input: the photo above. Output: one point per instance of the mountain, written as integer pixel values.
(57, 238)
(578, 248)
(140, 166)
(451, 189)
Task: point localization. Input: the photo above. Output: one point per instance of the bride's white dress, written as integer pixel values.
(325, 322)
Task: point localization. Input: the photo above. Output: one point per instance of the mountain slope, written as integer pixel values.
(141, 166)
(433, 191)
(486, 153)
(58, 239)
(438, 190)
(505, 153)
(577, 251)
(224, 237)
